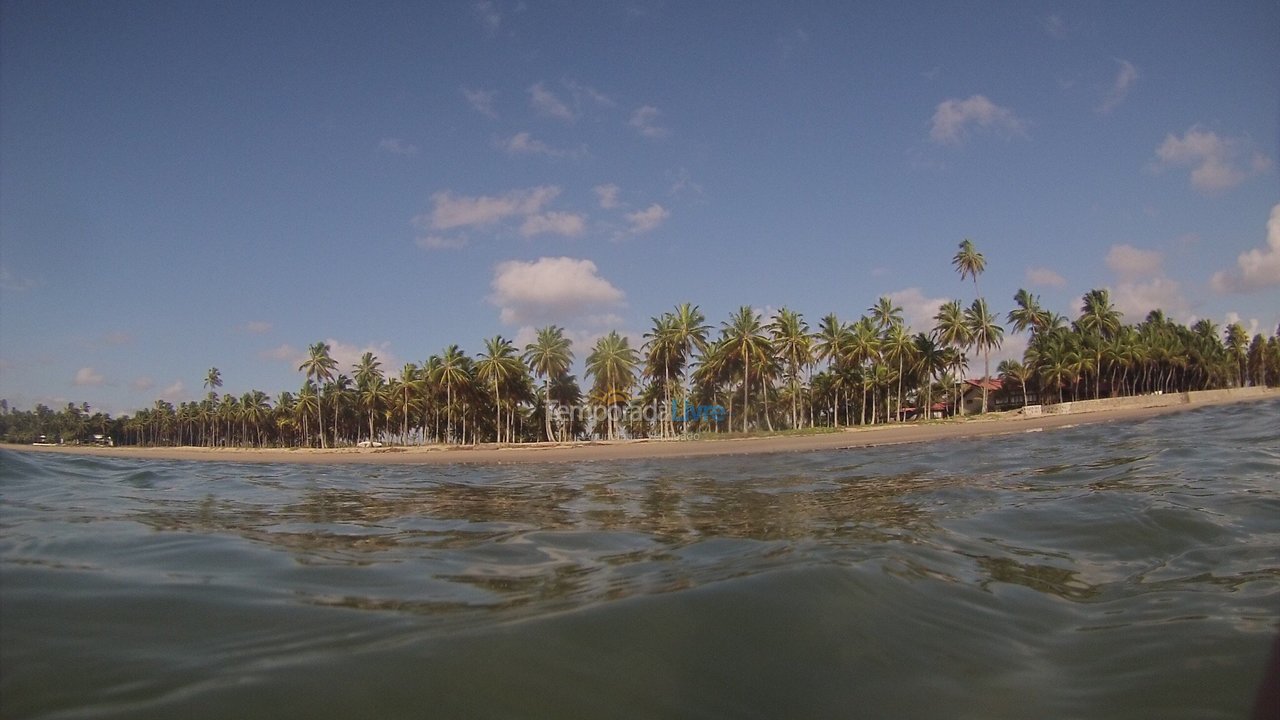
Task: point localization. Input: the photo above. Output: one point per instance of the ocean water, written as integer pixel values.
(1101, 571)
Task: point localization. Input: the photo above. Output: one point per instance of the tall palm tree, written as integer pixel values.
(864, 355)
(792, 342)
(612, 363)
(1237, 343)
(742, 336)
(549, 356)
(494, 367)
(407, 391)
(213, 381)
(1028, 315)
(885, 313)
(930, 361)
(831, 346)
(452, 371)
(1099, 320)
(985, 333)
(689, 331)
(969, 263)
(952, 330)
(369, 385)
(664, 347)
(319, 366)
(899, 346)
(1012, 371)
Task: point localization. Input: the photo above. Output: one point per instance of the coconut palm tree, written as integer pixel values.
(930, 361)
(1012, 371)
(689, 331)
(664, 347)
(319, 366)
(612, 363)
(213, 381)
(369, 385)
(742, 336)
(986, 334)
(1100, 321)
(549, 356)
(1028, 315)
(1237, 343)
(792, 342)
(952, 330)
(864, 355)
(899, 347)
(969, 263)
(831, 346)
(495, 366)
(453, 370)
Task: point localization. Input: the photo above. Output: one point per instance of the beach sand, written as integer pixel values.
(986, 426)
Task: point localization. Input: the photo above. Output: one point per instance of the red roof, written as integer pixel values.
(991, 383)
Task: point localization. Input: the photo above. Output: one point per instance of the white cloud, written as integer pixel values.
(642, 221)
(88, 376)
(554, 223)
(645, 121)
(608, 195)
(952, 119)
(1136, 298)
(587, 93)
(551, 289)
(284, 353)
(481, 101)
(1124, 81)
(174, 391)
(258, 327)
(488, 15)
(347, 355)
(453, 211)
(441, 242)
(522, 143)
(1129, 262)
(544, 102)
(142, 384)
(1256, 269)
(396, 146)
(917, 309)
(1044, 277)
(684, 186)
(1217, 162)
(1251, 328)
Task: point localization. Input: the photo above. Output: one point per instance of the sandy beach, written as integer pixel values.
(991, 425)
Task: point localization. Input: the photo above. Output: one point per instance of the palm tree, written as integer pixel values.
(549, 356)
(1028, 315)
(863, 357)
(308, 400)
(952, 330)
(453, 370)
(406, 390)
(664, 348)
(900, 346)
(1100, 320)
(792, 342)
(1238, 349)
(969, 263)
(986, 333)
(495, 366)
(612, 363)
(831, 345)
(743, 337)
(319, 366)
(930, 361)
(213, 381)
(689, 333)
(369, 384)
(885, 313)
(1014, 371)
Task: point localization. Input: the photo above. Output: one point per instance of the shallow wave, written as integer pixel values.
(1102, 571)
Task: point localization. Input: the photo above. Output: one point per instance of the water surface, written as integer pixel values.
(1102, 571)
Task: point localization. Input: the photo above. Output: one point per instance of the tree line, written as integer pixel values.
(768, 374)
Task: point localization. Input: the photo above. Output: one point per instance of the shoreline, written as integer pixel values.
(991, 425)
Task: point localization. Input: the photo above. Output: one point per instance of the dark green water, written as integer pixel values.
(1104, 571)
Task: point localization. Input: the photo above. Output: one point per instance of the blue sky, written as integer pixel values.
(186, 185)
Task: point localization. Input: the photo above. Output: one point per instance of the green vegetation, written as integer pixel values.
(770, 376)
